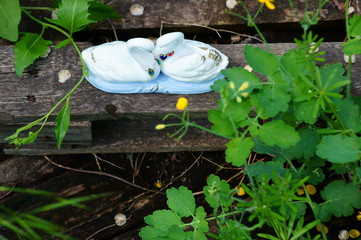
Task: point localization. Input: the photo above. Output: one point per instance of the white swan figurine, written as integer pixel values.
(123, 67)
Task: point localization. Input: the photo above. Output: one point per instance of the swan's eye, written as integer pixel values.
(150, 72)
(163, 56)
(170, 54)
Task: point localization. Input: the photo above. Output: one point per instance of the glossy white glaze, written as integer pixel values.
(188, 60)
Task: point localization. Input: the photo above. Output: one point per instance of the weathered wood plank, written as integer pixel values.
(78, 133)
(90, 104)
(206, 12)
(131, 136)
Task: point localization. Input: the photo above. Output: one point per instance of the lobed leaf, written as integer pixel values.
(339, 149)
(99, 11)
(10, 16)
(306, 147)
(181, 201)
(217, 192)
(238, 151)
(260, 60)
(355, 25)
(278, 133)
(30, 47)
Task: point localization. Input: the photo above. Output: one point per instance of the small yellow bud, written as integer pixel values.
(238, 99)
(160, 126)
(158, 184)
(318, 228)
(300, 191)
(182, 103)
(240, 191)
(244, 86)
(354, 233)
(245, 94)
(311, 189)
(231, 85)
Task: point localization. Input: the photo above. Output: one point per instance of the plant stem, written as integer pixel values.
(348, 88)
(209, 130)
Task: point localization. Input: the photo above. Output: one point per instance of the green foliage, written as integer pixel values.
(29, 226)
(10, 16)
(340, 200)
(353, 44)
(339, 149)
(72, 15)
(30, 47)
(261, 60)
(286, 135)
(238, 151)
(217, 192)
(62, 123)
(168, 224)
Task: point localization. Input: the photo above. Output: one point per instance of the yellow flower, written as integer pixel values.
(240, 191)
(158, 184)
(182, 103)
(269, 3)
(300, 191)
(160, 126)
(311, 189)
(354, 233)
(231, 85)
(244, 86)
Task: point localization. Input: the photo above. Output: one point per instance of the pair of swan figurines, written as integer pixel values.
(173, 65)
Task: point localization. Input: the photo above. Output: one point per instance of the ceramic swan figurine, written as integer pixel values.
(122, 67)
(193, 65)
(188, 67)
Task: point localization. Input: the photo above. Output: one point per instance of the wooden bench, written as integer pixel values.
(106, 123)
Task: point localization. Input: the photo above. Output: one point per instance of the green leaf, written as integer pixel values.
(72, 15)
(199, 224)
(281, 154)
(340, 199)
(10, 16)
(355, 25)
(181, 201)
(217, 192)
(278, 133)
(260, 60)
(220, 125)
(238, 76)
(163, 219)
(99, 11)
(63, 43)
(339, 149)
(291, 63)
(350, 115)
(306, 147)
(238, 151)
(352, 47)
(331, 75)
(274, 98)
(62, 123)
(237, 111)
(265, 169)
(30, 47)
(304, 111)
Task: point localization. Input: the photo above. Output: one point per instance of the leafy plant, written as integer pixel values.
(27, 225)
(299, 111)
(68, 17)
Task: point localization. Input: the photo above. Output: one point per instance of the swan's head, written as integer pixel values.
(167, 44)
(141, 50)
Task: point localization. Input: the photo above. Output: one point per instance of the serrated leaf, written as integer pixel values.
(278, 133)
(350, 115)
(72, 15)
(355, 25)
(10, 16)
(163, 219)
(281, 154)
(306, 147)
(260, 60)
(30, 47)
(304, 111)
(217, 192)
(352, 47)
(237, 111)
(238, 151)
(220, 125)
(339, 149)
(291, 63)
(181, 201)
(99, 11)
(199, 224)
(332, 74)
(340, 200)
(62, 123)
(274, 98)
